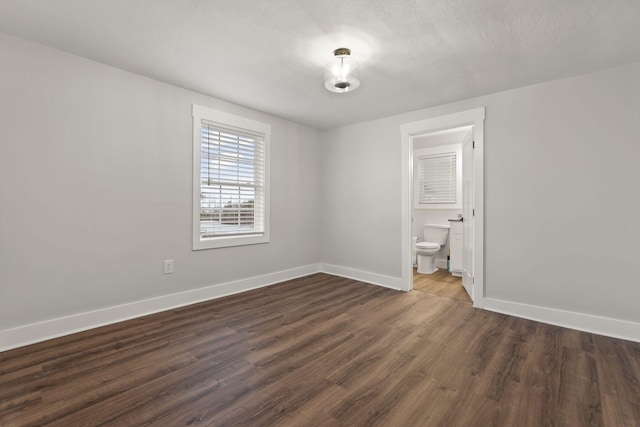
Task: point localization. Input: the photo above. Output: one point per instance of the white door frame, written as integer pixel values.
(408, 131)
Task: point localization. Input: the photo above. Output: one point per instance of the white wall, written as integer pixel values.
(431, 216)
(361, 197)
(95, 189)
(561, 193)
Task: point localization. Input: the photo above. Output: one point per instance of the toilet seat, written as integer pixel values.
(427, 245)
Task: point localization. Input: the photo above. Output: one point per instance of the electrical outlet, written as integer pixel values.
(168, 266)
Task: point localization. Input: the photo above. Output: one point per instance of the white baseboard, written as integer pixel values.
(568, 319)
(363, 276)
(41, 331)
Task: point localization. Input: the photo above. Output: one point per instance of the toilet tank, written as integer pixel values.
(436, 233)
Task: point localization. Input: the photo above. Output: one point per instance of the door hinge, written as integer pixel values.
(473, 280)
(473, 212)
(473, 144)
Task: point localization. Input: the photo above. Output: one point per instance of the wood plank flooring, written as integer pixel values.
(440, 283)
(324, 351)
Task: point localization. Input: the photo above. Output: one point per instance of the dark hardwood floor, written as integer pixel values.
(324, 351)
(440, 283)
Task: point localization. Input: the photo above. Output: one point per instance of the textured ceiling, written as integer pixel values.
(268, 55)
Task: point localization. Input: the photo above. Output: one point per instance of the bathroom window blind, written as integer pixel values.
(437, 178)
(232, 181)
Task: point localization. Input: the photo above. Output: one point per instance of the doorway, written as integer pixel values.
(441, 283)
(473, 195)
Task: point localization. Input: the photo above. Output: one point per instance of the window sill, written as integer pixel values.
(438, 207)
(229, 241)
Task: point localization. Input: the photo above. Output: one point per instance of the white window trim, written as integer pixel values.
(203, 113)
(457, 148)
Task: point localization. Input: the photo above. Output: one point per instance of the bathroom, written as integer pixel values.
(437, 203)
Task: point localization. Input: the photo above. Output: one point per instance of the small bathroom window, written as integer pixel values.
(438, 177)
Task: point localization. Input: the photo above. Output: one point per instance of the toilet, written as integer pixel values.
(434, 237)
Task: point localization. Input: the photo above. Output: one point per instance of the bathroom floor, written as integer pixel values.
(440, 283)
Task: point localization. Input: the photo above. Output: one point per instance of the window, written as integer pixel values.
(230, 180)
(438, 178)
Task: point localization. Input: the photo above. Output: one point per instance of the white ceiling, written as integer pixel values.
(268, 55)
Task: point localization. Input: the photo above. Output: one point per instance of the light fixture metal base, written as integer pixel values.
(342, 51)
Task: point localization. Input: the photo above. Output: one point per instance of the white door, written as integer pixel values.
(467, 213)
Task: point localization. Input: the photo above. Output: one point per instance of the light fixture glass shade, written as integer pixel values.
(341, 75)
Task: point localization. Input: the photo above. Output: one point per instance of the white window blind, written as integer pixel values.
(232, 181)
(437, 178)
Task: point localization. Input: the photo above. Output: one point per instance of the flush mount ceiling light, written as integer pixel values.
(340, 75)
